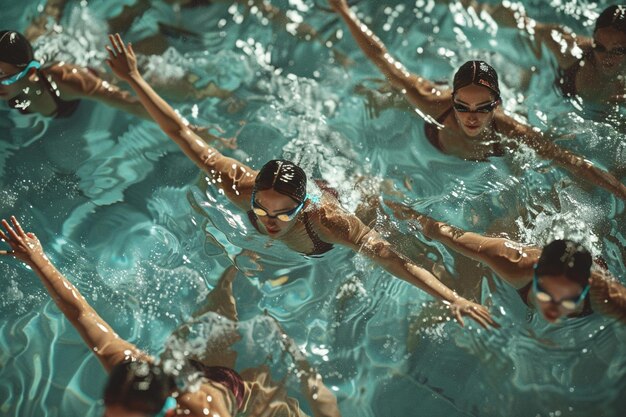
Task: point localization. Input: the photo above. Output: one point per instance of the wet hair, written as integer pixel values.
(138, 386)
(612, 17)
(284, 177)
(565, 257)
(478, 73)
(15, 48)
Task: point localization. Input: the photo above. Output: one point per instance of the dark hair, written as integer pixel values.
(612, 17)
(479, 73)
(138, 386)
(284, 177)
(565, 257)
(15, 48)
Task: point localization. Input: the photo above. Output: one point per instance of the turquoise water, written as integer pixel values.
(122, 213)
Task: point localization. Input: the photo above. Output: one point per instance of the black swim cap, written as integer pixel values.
(138, 386)
(284, 177)
(479, 73)
(612, 17)
(565, 257)
(15, 48)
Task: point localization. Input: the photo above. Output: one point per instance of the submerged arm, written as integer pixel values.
(608, 296)
(420, 92)
(234, 178)
(575, 164)
(563, 44)
(53, 10)
(512, 261)
(108, 347)
(338, 226)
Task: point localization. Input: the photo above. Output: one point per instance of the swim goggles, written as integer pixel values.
(485, 108)
(598, 47)
(170, 404)
(16, 77)
(283, 217)
(569, 304)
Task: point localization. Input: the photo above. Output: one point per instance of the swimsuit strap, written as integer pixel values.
(319, 246)
(432, 130)
(64, 108)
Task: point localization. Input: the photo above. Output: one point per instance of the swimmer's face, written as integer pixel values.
(275, 204)
(8, 91)
(557, 296)
(609, 47)
(474, 107)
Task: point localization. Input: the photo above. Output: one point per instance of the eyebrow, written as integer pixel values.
(479, 104)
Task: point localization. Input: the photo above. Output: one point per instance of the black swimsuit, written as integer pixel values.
(225, 376)
(525, 291)
(567, 77)
(432, 134)
(64, 108)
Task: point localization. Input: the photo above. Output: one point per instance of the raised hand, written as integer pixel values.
(24, 246)
(462, 307)
(122, 59)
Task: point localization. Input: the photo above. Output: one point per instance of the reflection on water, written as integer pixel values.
(129, 219)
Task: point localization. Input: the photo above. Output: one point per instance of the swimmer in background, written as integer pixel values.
(55, 89)
(276, 202)
(467, 122)
(592, 68)
(278, 17)
(560, 280)
(137, 387)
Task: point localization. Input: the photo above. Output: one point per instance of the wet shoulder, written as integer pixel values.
(210, 399)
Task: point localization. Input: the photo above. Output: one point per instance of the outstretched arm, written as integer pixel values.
(82, 83)
(511, 260)
(322, 401)
(52, 11)
(234, 178)
(575, 164)
(338, 226)
(420, 92)
(97, 334)
(608, 295)
(564, 45)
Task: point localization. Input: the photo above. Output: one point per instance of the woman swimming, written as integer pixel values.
(55, 89)
(137, 387)
(467, 122)
(591, 68)
(276, 201)
(557, 279)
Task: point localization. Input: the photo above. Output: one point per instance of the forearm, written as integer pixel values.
(610, 300)
(62, 291)
(375, 50)
(158, 109)
(398, 265)
(579, 167)
(321, 400)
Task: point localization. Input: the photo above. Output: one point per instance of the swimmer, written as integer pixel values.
(55, 89)
(560, 280)
(139, 387)
(591, 68)
(275, 198)
(468, 122)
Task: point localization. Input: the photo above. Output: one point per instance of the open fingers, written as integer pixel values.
(112, 55)
(459, 318)
(14, 236)
(3, 236)
(17, 226)
(130, 48)
(116, 46)
(7, 252)
(120, 43)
